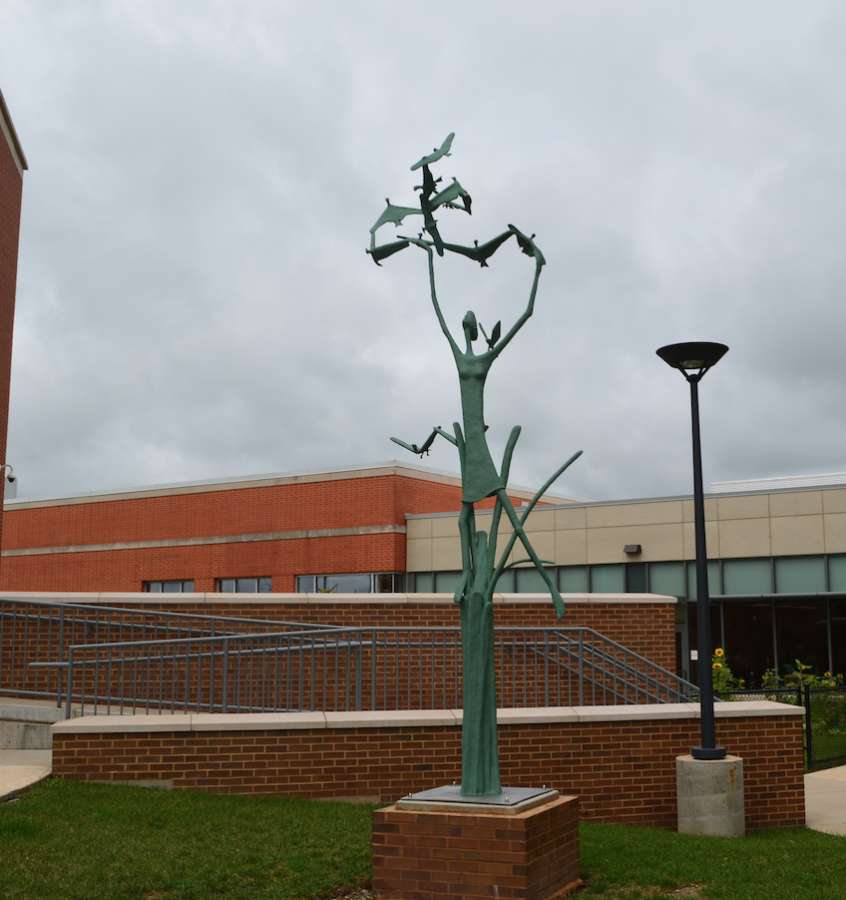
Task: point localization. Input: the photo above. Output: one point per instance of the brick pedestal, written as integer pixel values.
(421, 855)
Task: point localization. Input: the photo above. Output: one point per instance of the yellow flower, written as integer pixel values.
(719, 652)
(828, 674)
(717, 666)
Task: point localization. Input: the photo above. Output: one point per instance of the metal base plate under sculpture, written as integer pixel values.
(710, 796)
(431, 845)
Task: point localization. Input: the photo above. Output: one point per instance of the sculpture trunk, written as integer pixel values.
(479, 750)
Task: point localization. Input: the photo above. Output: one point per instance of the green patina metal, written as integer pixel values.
(481, 568)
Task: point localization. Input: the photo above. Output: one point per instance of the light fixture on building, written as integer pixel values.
(632, 548)
(693, 360)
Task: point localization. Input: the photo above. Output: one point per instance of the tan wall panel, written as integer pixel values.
(567, 519)
(417, 529)
(744, 537)
(659, 542)
(445, 526)
(796, 503)
(712, 510)
(712, 540)
(797, 536)
(419, 555)
(834, 528)
(446, 554)
(754, 507)
(571, 548)
(834, 501)
(539, 520)
(634, 514)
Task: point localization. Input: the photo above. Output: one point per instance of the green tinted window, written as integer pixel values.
(747, 576)
(423, 582)
(573, 580)
(667, 578)
(800, 575)
(837, 573)
(713, 579)
(530, 581)
(447, 582)
(608, 579)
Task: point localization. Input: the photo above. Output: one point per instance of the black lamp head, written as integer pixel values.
(695, 356)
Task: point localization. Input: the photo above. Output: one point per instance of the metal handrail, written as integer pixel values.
(28, 628)
(325, 669)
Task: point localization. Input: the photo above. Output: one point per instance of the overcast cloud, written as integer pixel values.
(194, 299)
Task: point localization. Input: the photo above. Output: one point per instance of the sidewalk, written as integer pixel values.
(825, 800)
(19, 769)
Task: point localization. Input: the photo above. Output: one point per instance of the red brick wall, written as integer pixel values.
(11, 188)
(300, 506)
(622, 771)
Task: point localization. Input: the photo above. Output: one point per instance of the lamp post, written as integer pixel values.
(693, 360)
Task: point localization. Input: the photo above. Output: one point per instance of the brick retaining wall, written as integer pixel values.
(620, 761)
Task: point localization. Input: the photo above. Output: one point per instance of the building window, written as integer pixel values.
(169, 587)
(244, 585)
(375, 583)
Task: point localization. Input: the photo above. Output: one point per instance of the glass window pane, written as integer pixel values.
(246, 585)
(348, 584)
(837, 573)
(188, 587)
(749, 639)
(447, 582)
(422, 583)
(172, 587)
(573, 580)
(305, 584)
(505, 583)
(713, 579)
(226, 585)
(800, 575)
(265, 585)
(608, 579)
(530, 581)
(636, 578)
(802, 635)
(154, 587)
(667, 578)
(747, 576)
(384, 584)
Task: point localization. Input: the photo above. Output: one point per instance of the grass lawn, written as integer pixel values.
(77, 841)
(780, 864)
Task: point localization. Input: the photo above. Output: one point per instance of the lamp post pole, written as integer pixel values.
(693, 360)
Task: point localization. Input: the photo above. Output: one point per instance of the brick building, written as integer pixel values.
(342, 530)
(12, 167)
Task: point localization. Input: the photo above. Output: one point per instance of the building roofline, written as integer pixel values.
(333, 473)
(8, 129)
(585, 504)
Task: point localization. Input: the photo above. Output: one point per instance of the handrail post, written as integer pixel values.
(61, 654)
(69, 683)
(581, 667)
(224, 706)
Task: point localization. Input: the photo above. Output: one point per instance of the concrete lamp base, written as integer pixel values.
(710, 796)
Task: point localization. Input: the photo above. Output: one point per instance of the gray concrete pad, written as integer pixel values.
(20, 769)
(825, 800)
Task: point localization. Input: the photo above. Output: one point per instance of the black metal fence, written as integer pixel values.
(825, 719)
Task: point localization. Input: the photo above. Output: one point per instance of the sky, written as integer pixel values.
(194, 297)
